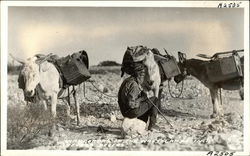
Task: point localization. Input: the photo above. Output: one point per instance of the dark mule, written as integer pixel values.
(196, 68)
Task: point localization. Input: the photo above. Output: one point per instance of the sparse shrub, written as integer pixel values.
(105, 69)
(14, 70)
(108, 63)
(24, 124)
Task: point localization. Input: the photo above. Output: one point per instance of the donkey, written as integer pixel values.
(40, 79)
(196, 68)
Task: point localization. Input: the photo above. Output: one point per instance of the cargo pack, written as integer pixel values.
(167, 63)
(168, 66)
(223, 69)
(74, 68)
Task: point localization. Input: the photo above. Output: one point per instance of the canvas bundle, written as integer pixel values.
(74, 68)
(223, 69)
(132, 58)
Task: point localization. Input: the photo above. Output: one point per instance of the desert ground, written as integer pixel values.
(100, 127)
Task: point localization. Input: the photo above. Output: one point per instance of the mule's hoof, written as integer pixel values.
(242, 97)
(77, 123)
(214, 115)
(50, 134)
(123, 134)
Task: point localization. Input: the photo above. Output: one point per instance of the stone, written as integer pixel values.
(105, 90)
(60, 129)
(100, 87)
(112, 118)
(233, 118)
(133, 126)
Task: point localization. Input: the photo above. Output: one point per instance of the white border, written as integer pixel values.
(246, 81)
(4, 51)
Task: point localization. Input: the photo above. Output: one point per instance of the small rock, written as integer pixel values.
(101, 87)
(233, 118)
(112, 118)
(55, 139)
(157, 136)
(105, 90)
(92, 109)
(72, 148)
(119, 117)
(60, 129)
(63, 135)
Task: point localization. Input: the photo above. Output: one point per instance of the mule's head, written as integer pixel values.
(149, 60)
(182, 64)
(152, 72)
(30, 74)
(149, 63)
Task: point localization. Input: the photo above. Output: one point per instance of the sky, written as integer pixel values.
(105, 32)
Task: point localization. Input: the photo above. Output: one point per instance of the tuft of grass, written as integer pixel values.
(105, 69)
(108, 63)
(14, 70)
(24, 124)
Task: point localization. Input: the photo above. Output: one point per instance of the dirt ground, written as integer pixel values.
(101, 120)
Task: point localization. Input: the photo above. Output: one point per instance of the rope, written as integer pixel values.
(180, 91)
(66, 96)
(84, 92)
(111, 96)
(161, 113)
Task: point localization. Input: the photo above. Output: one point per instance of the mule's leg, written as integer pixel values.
(53, 113)
(159, 97)
(68, 104)
(155, 90)
(217, 110)
(241, 92)
(53, 105)
(44, 103)
(77, 107)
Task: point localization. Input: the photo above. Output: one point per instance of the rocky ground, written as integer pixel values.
(100, 127)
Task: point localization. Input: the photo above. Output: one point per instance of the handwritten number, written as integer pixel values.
(210, 153)
(229, 5)
(220, 153)
(231, 154)
(216, 153)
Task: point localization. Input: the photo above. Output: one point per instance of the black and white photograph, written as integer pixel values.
(125, 77)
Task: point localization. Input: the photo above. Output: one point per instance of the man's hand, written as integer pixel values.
(144, 94)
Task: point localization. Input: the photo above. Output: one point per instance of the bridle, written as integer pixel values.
(181, 77)
(182, 61)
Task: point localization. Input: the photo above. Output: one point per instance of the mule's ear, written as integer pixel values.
(39, 56)
(43, 59)
(17, 59)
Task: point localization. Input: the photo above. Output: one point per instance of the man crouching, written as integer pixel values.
(133, 102)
